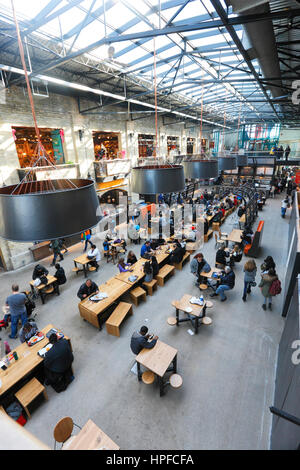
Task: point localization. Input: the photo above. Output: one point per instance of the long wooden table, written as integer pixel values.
(93, 312)
(158, 360)
(41, 288)
(91, 437)
(235, 236)
(137, 270)
(27, 362)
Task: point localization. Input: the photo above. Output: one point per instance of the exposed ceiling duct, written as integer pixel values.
(262, 41)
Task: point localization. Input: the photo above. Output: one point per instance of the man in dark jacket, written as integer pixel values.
(57, 364)
(39, 271)
(227, 282)
(60, 274)
(177, 254)
(86, 289)
(221, 255)
(139, 340)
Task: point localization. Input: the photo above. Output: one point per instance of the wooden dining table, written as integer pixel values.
(91, 437)
(161, 359)
(28, 361)
(184, 305)
(52, 281)
(137, 269)
(235, 236)
(93, 312)
(83, 260)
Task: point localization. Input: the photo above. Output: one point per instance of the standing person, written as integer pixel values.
(250, 270)
(266, 281)
(284, 206)
(94, 253)
(86, 237)
(60, 274)
(62, 244)
(268, 263)
(55, 245)
(287, 152)
(139, 340)
(16, 303)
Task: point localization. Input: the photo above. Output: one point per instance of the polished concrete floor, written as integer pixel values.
(228, 368)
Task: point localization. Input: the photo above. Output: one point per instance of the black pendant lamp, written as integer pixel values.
(156, 179)
(200, 168)
(46, 210)
(227, 163)
(242, 160)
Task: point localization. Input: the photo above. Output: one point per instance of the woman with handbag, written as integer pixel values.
(249, 277)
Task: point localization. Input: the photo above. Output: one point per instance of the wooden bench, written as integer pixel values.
(191, 247)
(119, 314)
(164, 272)
(208, 235)
(136, 294)
(185, 259)
(150, 286)
(29, 392)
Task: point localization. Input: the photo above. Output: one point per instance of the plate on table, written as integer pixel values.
(35, 339)
(189, 309)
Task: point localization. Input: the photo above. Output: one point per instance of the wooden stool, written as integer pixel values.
(208, 304)
(172, 321)
(29, 392)
(136, 294)
(92, 268)
(49, 290)
(75, 270)
(148, 377)
(203, 286)
(206, 321)
(176, 380)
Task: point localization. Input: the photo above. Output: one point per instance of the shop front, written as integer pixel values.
(106, 145)
(173, 145)
(190, 146)
(146, 144)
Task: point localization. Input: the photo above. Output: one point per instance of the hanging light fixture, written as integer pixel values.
(48, 209)
(156, 179)
(200, 168)
(34, 211)
(242, 160)
(227, 163)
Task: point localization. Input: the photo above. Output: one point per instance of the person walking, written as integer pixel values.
(250, 270)
(17, 308)
(86, 237)
(284, 206)
(265, 285)
(287, 152)
(55, 245)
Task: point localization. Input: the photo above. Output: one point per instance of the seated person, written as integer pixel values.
(131, 258)
(154, 264)
(235, 255)
(226, 282)
(148, 272)
(60, 274)
(139, 340)
(205, 226)
(190, 236)
(87, 289)
(58, 364)
(221, 255)
(217, 217)
(106, 247)
(94, 253)
(197, 265)
(39, 271)
(177, 254)
(27, 331)
(247, 235)
(123, 267)
(241, 211)
(146, 248)
(222, 209)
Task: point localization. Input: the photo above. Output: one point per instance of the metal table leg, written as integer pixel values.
(139, 371)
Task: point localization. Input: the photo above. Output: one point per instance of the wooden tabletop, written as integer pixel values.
(114, 288)
(91, 437)
(243, 219)
(162, 254)
(137, 270)
(51, 280)
(83, 259)
(184, 303)
(235, 236)
(209, 274)
(158, 358)
(28, 360)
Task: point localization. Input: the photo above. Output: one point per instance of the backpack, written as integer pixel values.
(275, 288)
